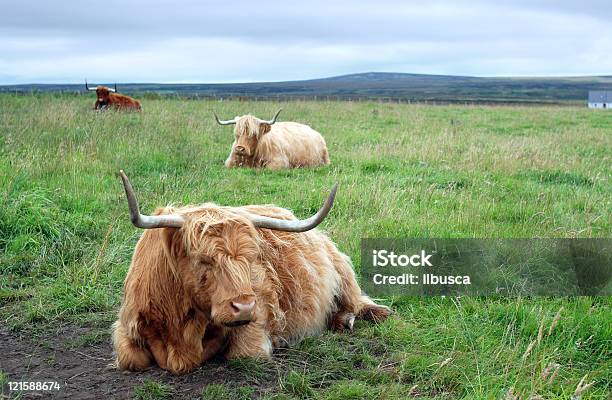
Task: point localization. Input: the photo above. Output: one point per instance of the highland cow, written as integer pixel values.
(109, 98)
(235, 281)
(274, 145)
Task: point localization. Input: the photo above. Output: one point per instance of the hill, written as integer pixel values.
(415, 87)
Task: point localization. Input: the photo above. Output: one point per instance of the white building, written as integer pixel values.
(600, 99)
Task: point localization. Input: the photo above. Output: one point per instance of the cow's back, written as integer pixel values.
(301, 145)
(121, 101)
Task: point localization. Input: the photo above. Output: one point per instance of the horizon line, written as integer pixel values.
(329, 77)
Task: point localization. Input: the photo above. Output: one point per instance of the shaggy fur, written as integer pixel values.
(181, 280)
(281, 145)
(107, 99)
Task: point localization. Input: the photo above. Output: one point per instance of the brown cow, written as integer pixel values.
(235, 280)
(109, 98)
(274, 145)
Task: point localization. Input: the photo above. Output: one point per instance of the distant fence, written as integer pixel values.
(152, 95)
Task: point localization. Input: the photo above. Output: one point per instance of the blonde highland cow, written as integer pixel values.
(274, 145)
(237, 281)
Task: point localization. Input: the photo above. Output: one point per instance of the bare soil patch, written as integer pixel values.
(80, 360)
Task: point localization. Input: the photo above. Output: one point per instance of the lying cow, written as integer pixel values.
(274, 145)
(109, 98)
(237, 280)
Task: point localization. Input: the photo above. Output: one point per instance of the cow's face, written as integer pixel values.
(244, 145)
(224, 253)
(247, 133)
(233, 301)
(214, 253)
(103, 94)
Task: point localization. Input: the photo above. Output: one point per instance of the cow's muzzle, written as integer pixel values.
(241, 151)
(241, 312)
(236, 312)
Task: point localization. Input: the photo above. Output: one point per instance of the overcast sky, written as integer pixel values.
(238, 41)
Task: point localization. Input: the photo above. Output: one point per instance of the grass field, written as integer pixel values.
(404, 171)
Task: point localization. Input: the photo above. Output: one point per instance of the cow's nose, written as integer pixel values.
(240, 150)
(243, 311)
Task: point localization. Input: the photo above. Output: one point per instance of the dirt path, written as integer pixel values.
(79, 359)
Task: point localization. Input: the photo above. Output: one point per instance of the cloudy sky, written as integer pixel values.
(238, 41)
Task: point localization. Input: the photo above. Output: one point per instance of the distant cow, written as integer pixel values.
(239, 281)
(109, 98)
(274, 145)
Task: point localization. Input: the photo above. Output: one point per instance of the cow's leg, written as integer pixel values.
(159, 350)
(249, 341)
(342, 321)
(185, 350)
(130, 354)
(371, 311)
(351, 301)
(155, 344)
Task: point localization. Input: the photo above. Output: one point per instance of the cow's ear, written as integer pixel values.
(264, 128)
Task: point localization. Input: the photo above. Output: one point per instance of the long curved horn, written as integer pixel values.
(299, 225)
(147, 221)
(88, 88)
(273, 120)
(228, 122)
(113, 90)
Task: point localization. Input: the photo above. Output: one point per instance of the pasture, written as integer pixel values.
(404, 171)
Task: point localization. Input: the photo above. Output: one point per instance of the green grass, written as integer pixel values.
(151, 390)
(217, 391)
(3, 379)
(404, 171)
